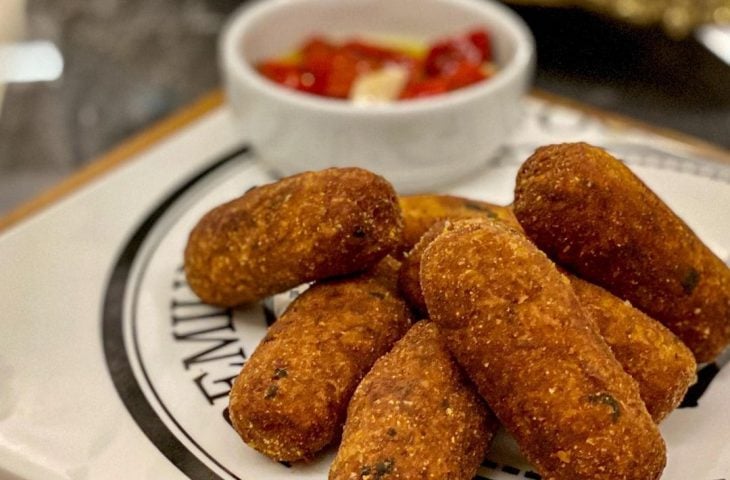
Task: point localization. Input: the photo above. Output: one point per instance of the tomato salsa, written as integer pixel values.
(375, 72)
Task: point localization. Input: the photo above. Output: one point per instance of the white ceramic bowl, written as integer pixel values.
(416, 144)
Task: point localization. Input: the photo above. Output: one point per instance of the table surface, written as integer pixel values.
(129, 65)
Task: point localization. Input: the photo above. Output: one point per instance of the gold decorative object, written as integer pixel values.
(677, 17)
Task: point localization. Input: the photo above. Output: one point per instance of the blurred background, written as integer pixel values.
(112, 67)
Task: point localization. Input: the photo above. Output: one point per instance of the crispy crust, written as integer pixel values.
(409, 275)
(661, 364)
(306, 227)
(414, 416)
(290, 398)
(420, 212)
(590, 213)
(432, 212)
(514, 324)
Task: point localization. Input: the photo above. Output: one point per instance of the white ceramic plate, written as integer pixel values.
(172, 359)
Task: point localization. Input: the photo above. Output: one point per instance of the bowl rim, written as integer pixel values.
(232, 61)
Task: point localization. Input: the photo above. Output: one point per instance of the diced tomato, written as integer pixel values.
(344, 70)
(294, 77)
(313, 81)
(329, 69)
(481, 40)
(317, 49)
(445, 56)
(465, 74)
(438, 59)
(425, 88)
(281, 73)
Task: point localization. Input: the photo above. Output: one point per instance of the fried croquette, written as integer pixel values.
(420, 212)
(291, 397)
(514, 324)
(661, 364)
(306, 227)
(591, 214)
(414, 416)
(409, 275)
(432, 212)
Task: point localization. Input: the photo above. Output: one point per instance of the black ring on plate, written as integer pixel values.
(115, 351)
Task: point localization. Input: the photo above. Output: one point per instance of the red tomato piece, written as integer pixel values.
(283, 74)
(294, 77)
(317, 56)
(444, 57)
(465, 74)
(330, 69)
(322, 61)
(440, 55)
(425, 88)
(318, 50)
(313, 81)
(344, 71)
(481, 40)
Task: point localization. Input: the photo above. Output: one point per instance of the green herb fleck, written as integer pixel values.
(271, 391)
(690, 280)
(280, 373)
(378, 295)
(481, 208)
(383, 468)
(607, 399)
(391, 432)
(476, 206)
(365, 471)
(359, 232)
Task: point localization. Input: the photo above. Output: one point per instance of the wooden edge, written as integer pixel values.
(118, 155)
(687, 142)
(214, 99)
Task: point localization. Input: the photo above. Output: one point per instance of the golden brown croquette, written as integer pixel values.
(290, 398)
(661, 364)
(306, 227)
(512, 321)
(591, 214)
(414, 416)
(420, 212)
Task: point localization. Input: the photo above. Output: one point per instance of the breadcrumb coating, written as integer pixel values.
(424, 217)
(414, 416)
(420, 212)
(661, 364)
(591, 214)
(291, 397)
(512, 321)
(409, 276)
(303, 228)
